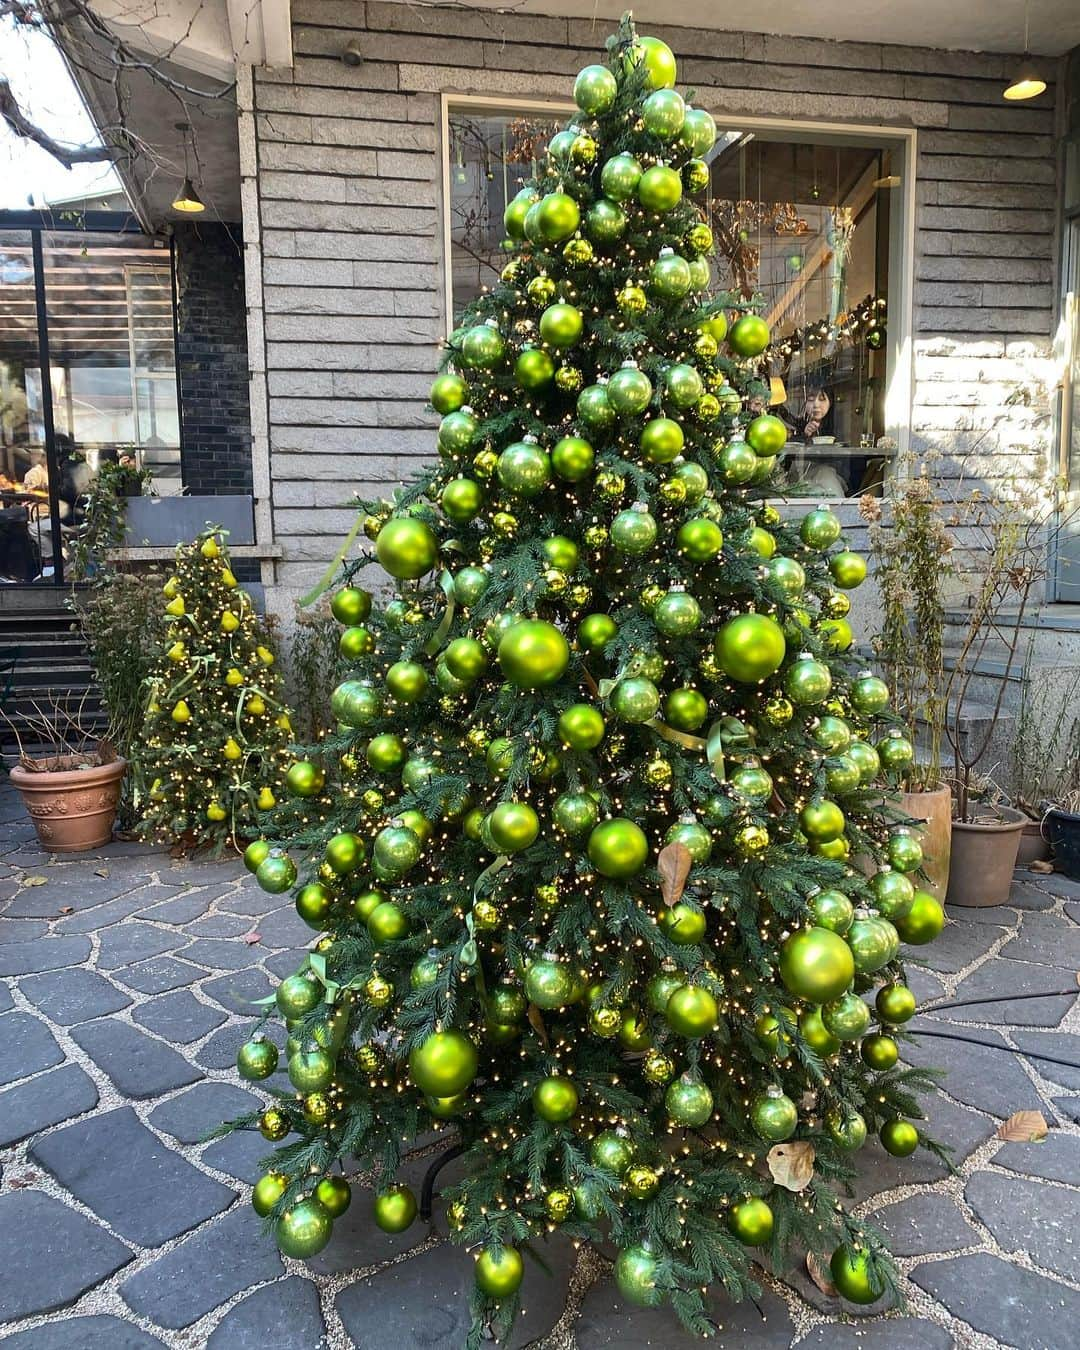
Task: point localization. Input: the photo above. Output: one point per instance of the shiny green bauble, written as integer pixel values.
(869, 695)
(696, 177)
(816, 965)
(572, 458)
(581, 727)
(396, 849)
(750, 648)
(865, 758)
(256, 854)
(693, 837)
(541, 291)
(533, 369)
(424, 972)
(751, 1221)
(311, 1070)
(695, 481)
(394, 1208)
(771, 1034)
(560, 143)
(355, 642)
(618, 848)
(634, 531)
(848, 570)
(899, 1138)
(787, 575)
(660, 989)
(819, 529)
(562, 552)
(257, 1059)
(620, 176)
(555, 1100)
(448, 393)
(685, 709)
(594, 408)
(698, 131)
(297, 995)
(850, 1271)
(386, 753)
(483, 346)
(406, 548)
(683, 924)
(612, 1151)
(879, 1052)
(466, 659)
(752, 783)
(635, 1277)
(351, 605)
(632, 300)
(595, 631)
(635, 700)
(809, 681)
(603, 1021)
(444, 1064)
(868, 940)
(682, 385)
(832, 733)
(305, 779)
(557, 217)
(661, 440)
(749, 336)
(579, 252)
(334, 1194)
(457, 431)
(629, 390)
(640, 1182)
(407, 681)
(895, 752)
(832, 910)
(678, 614)
(700, 276)
(822, 820)
(561, 325)
(738, 463)
(267, 1191)
(774, 1116)
(506, 1003)
(314, 904)
(533, 654)
(344, 852)
(842, 776)
(660, 69)
(659, 189)
(516, 210)
(905, 851)
(550, 984)
(276, 873)
(847, 1129)
(766, 435)
(692, 1012)
(499, 1271)
(605, 221)
(663, 113)
(760, 541)
(689, 1102)
(304, 1230)
(923, 921)
(448, 683)
(846, 1017)
(574, 812)
(387, 922)
(895, 1003)
(894, 894)
(816, 1034)
(513, 826)
(838, 634)
(523, 468)
(669, 277)
(470, 584)
(595, 90)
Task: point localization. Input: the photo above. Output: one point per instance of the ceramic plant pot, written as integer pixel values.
(72, 807)
(934, 808)
(1034, 844)
(983, 857)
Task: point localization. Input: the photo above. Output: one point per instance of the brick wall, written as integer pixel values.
(349, 201)
(212, 356)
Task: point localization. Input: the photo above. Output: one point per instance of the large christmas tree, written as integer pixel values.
(633, 877)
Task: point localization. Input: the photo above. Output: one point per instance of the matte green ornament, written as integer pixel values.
(669, 276)
(581, 727)
(766, 435)
(660, 69)
(305, 779)
(923, 921)
(257, 1058)
(659, 189)
(595, 631)
(842, 776)
(618, 848)
(682, 385)
(847, 1129)
(574, 812)
(816, 1034)
(534, 369)
(894, 894)
(832, 910)
(689, 1102)
(470, 584)
(394, 1208)
(550, 983)
(695, 480)
(461, 499)
(750, 648)
(572, 458)
(444, 1064)
(832, 733)
(838, 634)
(304, 1229)
(662, 440)
(620, 176)
(678, 614)
(561, 551)
(663, 113)
(866, 759)
(524, 469)
(700, 540)
(822, 820)
(267, 1191)
(846, 1017)
(879, 1052)
(387, 922)
(851, 1274)
(635, 700)
(407, 681)
(555, 1100)
(848, 570)
(533, 654)
(774, 1116)
(751, 1221)
(605, 221)
(635, 1276)
(483, 346)
(344, 852)
(787, 575)
(749, 336)
(314, 904)
(819, 529)
(406, 548)
(396, 849)
(738, 463)
(895, 1003)
(809, 681)
(634, 1031)
(816, 965)
(634, 531)
(683, 924)
(692, 1012)
(561, 325)
(516, 210)
(513, 826)
(629, 390)
(449, 392)
(595, 90)
(685, 709)
(386, 753)
(557, 217)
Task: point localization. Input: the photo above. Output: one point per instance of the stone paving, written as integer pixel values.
(127, 982)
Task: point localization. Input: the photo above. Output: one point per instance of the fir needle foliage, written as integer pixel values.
(547, 721)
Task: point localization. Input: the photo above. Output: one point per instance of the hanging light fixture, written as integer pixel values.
(1027, 82)
(187, 199)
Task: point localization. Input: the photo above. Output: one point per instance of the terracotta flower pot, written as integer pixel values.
(73, 809)
(983, 857)
(1034, 845)
(934, 807)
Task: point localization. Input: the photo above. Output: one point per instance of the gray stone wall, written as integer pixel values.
(349, 202)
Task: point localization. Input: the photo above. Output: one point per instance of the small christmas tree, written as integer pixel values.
(213, 754)
(583, 852)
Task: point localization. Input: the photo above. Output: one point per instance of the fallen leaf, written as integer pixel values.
(101, 871)
(67, 909)
(537, 1024)
(674, 865)
(792, 1165)
(820, 1278)
(1024, 1127)
(1042, 865)
(35, 881)
(252, 937)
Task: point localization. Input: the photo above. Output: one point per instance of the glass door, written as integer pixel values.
(1067, 560)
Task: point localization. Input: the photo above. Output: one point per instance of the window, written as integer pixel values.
(810, 224)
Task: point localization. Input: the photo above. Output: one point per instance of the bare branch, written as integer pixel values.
(67, 155)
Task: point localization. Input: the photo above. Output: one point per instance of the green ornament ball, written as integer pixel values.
(695, 481)
(470, 584)
(895, 752)
(894, 894)
(594, 408)
(749, 336)
(766, 435)
(683, 924)
(866, 760)
(661, 441)
(842, 776)
(895, 1003)
(923, 921)
(869, 942)
(658, 60)
(314, 904)
(833, 910)
(847, 1129)
(663, 113)
(822, 820)
(513, 826)
(406, 548)
(685, 709)
(304, 1229)
(396, 849)
(483, 346)
(620, 176)
(899, 1138)
(514, 215)
(533, 654)
(305, 779)
(850, 1271)
(787, 575)
(297, 995)
(595, 90)
(750, 648)
(809, 681)
(612, 1151)
(257, 1059)
(751, 1221)
(572, 458)
(311, 1071)
(387, 922)
(682, 385)
(692, 1012)
(618, 848)
(344, 852)
(386, 753)
(738, 463)
(595, 631)
(533, 369)
(465, 658)
(581, 727)
(461, 499)
(557, 217)
(695, 838)
(629, 390)
(267, 1191)
(869, 694)
(905, 852)
(689, 1102)
(879, 1052)
(605, 221)
(698, 131)
(407, 681)
(634, 531)
(550, 984)
(394, 1208)
(816, 1034)
(524, 469)
(816, 965)
(635, 700)
(847, 1017)
(678, 614)
(449, 392)
(555, 1100)
(819, 529)
(659, 189)
(848, 570)
(499, 1271)
(334, 1194)
(561, 325)
(635, 1277)
(669, 276)
(574, 812)
(276, 873)
(774, 1116)
(444, 1064)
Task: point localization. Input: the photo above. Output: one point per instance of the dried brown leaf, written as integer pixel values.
(792, 1164)
(537, 1024)
(1024, 1127)
(674, 865)
(819, 1275)
(1042, 865)
(67, 909)
(252, 937)
(101, 871)
(36, 880)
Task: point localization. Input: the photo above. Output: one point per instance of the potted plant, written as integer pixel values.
(912, 553)
(103, 515)
(1044, 762)
(71, 788)
(1062, 825)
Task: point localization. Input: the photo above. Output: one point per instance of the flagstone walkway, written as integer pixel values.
(127, 982)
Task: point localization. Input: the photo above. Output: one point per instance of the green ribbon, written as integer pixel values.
(469, 952)
(446, 581)
(331, 572)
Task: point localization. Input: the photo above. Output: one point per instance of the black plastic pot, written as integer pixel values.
(1063, 830)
